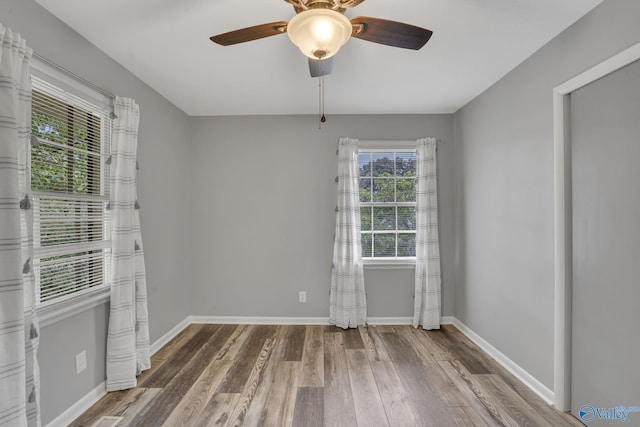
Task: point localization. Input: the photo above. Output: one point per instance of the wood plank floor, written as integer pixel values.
(242, 375)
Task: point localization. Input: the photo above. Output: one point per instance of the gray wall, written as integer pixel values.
(264, 199)
(164, 162)
(605, 129)
(504, 190)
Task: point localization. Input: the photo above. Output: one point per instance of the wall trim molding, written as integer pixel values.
(563, 225)
(75, 410)
(171, 334)
(448, 320)
(258, 320)
(527, 379)
(97, 393)
(255, 320)
(373, 321)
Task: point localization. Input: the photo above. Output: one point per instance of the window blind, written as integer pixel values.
(70, 186)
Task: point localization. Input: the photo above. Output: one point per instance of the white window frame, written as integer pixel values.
(55, 311)
(390, 146)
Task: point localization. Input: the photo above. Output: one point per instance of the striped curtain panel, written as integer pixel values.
(19, 377)
(348, 306)
(427, 293)
(128, 336)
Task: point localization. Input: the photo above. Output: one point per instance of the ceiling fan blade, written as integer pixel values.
(390, 33)
(250, 33)
(320, 67)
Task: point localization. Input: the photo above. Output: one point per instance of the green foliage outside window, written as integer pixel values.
(54, 168)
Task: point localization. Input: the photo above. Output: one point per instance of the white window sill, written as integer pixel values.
(390, 264)
(53, 313)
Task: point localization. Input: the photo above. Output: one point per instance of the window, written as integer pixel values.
(70, 190)
(388, 204)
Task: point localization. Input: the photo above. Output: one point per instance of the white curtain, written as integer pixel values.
(427, 292)
(19, 377)
(348, 306)
(128, 336)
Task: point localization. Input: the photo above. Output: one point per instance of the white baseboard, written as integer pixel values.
(75, 410)
(529, 380)
(447, 320)
(163, 340)
(389, 321)
(244, 320)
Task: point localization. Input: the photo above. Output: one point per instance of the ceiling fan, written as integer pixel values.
(320, 28)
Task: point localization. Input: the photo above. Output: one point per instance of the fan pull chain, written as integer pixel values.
(320, 99)
(323, 118)
(321, 95)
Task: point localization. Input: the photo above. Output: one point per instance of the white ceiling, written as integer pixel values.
(166, 44)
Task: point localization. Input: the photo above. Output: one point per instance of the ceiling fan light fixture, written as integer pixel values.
(319, 33)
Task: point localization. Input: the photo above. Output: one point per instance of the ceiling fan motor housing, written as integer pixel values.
(338, 5)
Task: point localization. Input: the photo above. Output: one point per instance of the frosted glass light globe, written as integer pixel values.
(319, 33)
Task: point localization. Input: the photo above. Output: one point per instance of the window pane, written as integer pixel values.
(68, 221)
(56, 121)
(74, 166)
(64, 170)
(383, 190)
(364, 163)
(406, 218)
(365, 190)
(384, 245)
(366, 244)
(384, 218)
(406, 244)
(406, 164)
(383, 164)
(48, 127)
(406, 190)
(365, 219)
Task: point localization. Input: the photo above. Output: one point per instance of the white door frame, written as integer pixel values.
(563, 217)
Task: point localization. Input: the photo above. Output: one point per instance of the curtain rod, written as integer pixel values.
(389, 144)
(74, 76)
(396, 141)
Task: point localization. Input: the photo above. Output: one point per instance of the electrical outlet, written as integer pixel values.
(302, 297)
(81, 361)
